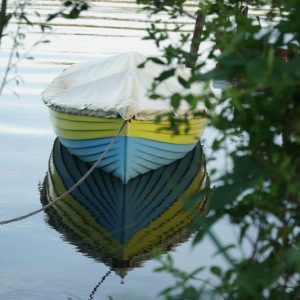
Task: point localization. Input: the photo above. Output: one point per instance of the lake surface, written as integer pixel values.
(44, 257)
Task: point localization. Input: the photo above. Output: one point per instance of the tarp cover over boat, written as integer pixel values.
(115, 86)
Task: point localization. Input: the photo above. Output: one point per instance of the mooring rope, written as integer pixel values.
(72, 188)
(92, 294)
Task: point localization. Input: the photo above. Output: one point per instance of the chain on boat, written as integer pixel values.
(72, 188)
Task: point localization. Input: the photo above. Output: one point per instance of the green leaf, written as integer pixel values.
(216, 270)
(68, 3)
(52, 16)
(175, 100)
(155, 96)
(165, 75)
(142, 65)
(156, 60)
(74, 13)
(183, 82)
(84, 6)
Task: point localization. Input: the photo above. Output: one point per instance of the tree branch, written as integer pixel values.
(2, 17)
(199, 25)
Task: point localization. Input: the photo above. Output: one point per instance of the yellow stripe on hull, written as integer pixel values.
(79, 220)
(75, 216)
(76, 127)
(173, 220)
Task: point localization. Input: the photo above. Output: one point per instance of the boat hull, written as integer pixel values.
(142, 146)
(122, 223)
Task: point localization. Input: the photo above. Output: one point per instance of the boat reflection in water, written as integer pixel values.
(121, 224)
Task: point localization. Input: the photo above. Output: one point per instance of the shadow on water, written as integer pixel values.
(120, 224)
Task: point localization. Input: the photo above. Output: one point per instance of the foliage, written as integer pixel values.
(254, 48)
(16, 19)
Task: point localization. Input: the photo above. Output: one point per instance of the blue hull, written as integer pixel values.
(129, 156)
(124, 209)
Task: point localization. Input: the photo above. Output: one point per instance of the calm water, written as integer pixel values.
(47, 257)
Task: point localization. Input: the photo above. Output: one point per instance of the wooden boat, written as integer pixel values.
(88, 103)
(120, 224)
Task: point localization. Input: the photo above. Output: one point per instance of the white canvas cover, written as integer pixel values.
(112, 87)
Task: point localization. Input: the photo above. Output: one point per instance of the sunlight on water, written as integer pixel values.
(11, 129)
